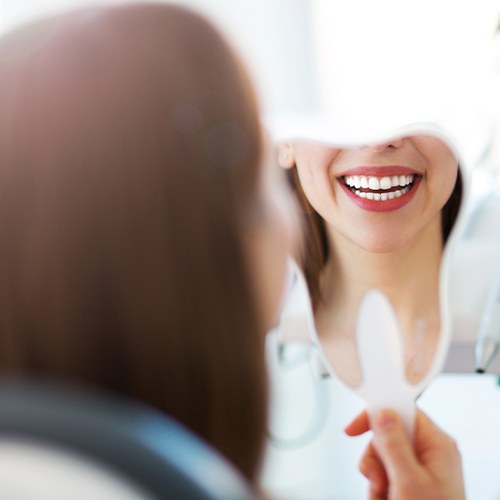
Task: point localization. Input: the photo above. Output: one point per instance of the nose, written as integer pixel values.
(383, 146)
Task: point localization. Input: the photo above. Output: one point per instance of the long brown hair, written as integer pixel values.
(129, 154)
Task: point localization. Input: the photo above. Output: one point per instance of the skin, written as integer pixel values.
(430, 468)
(398, 252)
(271, 236)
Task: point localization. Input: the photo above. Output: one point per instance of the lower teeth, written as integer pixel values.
(382, 196)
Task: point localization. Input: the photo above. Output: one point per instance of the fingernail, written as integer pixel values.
(385, 419)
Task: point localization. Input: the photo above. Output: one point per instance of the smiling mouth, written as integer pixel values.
(379, 188)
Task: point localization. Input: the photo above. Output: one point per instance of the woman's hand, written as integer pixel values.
(430, 469)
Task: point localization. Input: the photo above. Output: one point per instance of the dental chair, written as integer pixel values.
(60, 443)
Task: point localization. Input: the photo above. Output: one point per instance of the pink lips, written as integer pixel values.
(379, 172)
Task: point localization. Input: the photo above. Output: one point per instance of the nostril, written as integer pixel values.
(384, 146)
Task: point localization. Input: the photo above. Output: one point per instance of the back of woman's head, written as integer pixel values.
(129, 152)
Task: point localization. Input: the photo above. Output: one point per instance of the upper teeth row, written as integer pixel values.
(361, 181)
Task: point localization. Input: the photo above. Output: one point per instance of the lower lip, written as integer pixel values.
(383, 206)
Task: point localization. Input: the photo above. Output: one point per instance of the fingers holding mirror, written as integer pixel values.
(377, 216)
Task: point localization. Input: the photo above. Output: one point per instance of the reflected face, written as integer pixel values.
(382, 196)
(382, 206)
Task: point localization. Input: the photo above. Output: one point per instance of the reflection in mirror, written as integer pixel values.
(375, 216)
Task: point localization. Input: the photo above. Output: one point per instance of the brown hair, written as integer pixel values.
(129, 153)
(314, 253)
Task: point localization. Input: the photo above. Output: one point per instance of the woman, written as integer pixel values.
(377, 217)
(144, 242)
(141, 250)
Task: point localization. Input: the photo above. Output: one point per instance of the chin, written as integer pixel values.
(381, 244)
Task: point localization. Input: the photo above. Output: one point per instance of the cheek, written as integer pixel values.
(317, 187)
(269, 262)
(315, 166)
(443, 169)
(272, 247)
(445, 183)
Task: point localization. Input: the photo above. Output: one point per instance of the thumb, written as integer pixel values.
(393, 446)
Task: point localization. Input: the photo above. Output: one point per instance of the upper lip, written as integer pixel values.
(379, 171)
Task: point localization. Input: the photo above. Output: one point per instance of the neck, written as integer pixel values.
(408, 275)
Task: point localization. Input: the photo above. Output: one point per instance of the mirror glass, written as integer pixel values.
(375, 216)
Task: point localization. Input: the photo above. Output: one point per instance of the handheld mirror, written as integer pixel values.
(379, 220)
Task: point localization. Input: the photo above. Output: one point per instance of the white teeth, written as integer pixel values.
(382, 196)
(381, 188)
(377, 183)
(385, 183)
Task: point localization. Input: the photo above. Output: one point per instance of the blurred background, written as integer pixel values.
(368, 65)
(358, 61)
